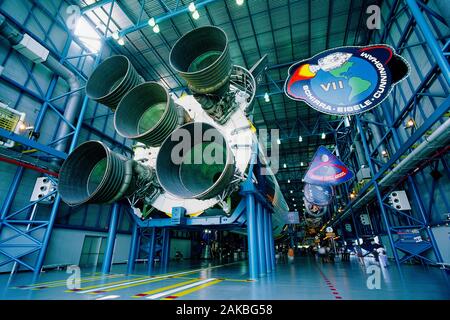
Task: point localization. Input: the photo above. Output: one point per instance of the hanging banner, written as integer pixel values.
(326, 169)
(290, 217)
(318, 195)
(346, 80)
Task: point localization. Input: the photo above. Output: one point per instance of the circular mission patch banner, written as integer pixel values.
(346, 80)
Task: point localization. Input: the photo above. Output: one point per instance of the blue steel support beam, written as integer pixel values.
(267, 245)
(430, 39)
(165, 251)
(151, 251)
(251, 235)
(414, 190)
(133, 248)
(377, 191)
(271, 241)
(112, 232)
(260, 238)
(32, 144)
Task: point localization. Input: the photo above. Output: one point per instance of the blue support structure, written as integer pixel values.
(261, 241)
(271, 241)
(252, 236)
(151, 251)
(165, 250)
(133, 248)
(267, 244)
(112, 232)
(378, 194)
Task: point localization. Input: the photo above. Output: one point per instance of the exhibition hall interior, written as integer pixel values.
(224, 150)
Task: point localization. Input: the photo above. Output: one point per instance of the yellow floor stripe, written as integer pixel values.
(224, 279)
(129, 285)
(109, 283)
(185, 292)
(147, 293)
(125, 286)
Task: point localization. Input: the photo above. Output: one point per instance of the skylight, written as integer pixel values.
(88, 35)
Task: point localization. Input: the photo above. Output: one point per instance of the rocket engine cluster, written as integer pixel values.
(192, 152)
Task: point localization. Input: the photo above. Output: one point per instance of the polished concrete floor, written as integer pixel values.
(305, 278)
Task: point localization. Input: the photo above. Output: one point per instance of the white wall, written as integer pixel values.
(66, 245)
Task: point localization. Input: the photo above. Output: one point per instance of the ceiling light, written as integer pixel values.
(289, 181)
(293, 199)
(266, 97)
(239, 2)
(292, 191)
(152, 22)
(195, 15)
(295, 205)
(121, 41)
(384, 153)
(410, 123)
(323, 135)
(300, 139)
(284, 165)
(115, 35)
(191, 7)
(156, 29)
(301, 164)
(278, 141)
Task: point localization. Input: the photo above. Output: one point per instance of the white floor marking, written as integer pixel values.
(149, 278)
(169, 292)
(108, 297)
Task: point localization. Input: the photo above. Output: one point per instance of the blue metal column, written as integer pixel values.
(133, 248)
(413, 187)
(430, 39)
(107, 262)
(271, 241)
(267, 245)
(377, 191)
(151, 251)
(260, 238)
(251, 236)
(165, 251)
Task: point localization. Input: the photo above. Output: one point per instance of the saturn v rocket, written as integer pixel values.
(172, 136)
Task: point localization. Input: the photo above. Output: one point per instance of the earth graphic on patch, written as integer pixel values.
(354, 79)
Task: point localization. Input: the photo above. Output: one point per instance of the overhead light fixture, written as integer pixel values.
(293, 199)
(152, 22)
(192, 7)
(323, 135)
(156, 29)
(289, 181)
(410, 123)
(295, 205)
(284, 165)
(384, 153)
(266, 97)
(195, 15)
(352, 195)
(301, 164)
(292, 191)
(121, 42)
(115, 35)
(239, 2)
(300, 139)
(278, 141)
